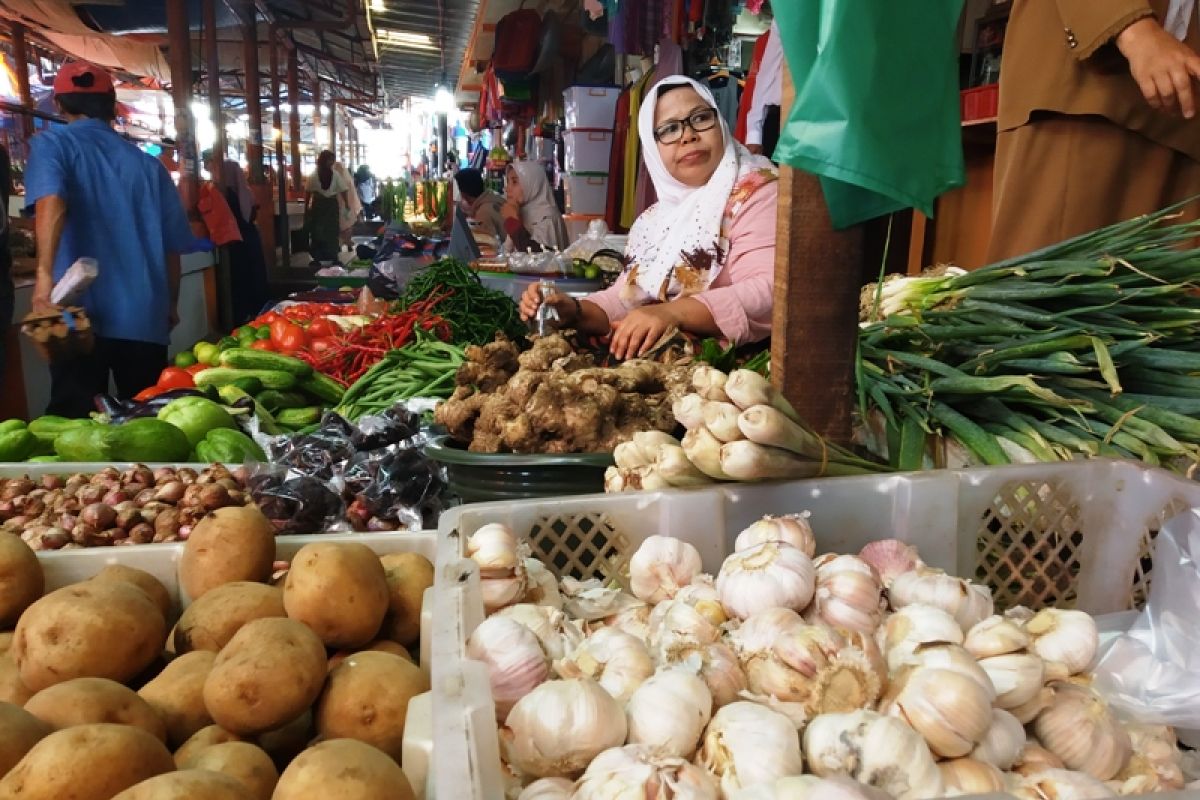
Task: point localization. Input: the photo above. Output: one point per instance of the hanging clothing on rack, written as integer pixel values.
(670, 62)
(616, 164)
(762, 120)
(724, 88)
(629, 210)
(760, 46)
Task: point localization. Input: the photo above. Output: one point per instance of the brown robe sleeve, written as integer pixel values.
(1091, 24)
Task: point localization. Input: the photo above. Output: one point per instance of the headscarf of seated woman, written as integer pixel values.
(676, 246)
(539, 212)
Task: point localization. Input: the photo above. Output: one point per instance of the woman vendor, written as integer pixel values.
(323, 208)
(531, 217)
(702, 258)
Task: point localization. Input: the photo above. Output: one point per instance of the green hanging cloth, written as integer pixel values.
(876, 110)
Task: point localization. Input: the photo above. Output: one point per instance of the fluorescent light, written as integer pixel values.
(421, 41)
(443, 100)
(378, 7)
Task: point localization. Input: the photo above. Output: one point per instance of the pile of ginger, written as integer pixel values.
(551, 399)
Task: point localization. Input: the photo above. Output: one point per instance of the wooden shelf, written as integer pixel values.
(977, 123)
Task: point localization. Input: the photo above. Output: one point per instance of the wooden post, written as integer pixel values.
(213, 67)
(293, 79)
(316, 115)
(277, 140)
(815, 322)
(21, 65)
(180, 58)
(259, 188)
(333, 137)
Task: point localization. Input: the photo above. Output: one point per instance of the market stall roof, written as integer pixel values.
(421, 43)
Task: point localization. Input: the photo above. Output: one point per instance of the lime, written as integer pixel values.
(591, 272)
(185, 359)
(207, 353)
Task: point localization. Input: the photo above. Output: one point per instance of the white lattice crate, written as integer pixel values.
(1071, 535)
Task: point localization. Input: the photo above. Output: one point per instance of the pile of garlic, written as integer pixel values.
(789, 676)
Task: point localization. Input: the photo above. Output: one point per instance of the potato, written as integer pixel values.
(343, 769)
(236, 543)
(203, 739)
(192, 784)
(81, 701)
(98, 629)
(367, 697)
(11, 688)
(5, 641)
(87, 762)
(19, 732)
(287, 741)
(271, 670)
(379, 645)
(177, 694)
(210, 622)
(339, 590)
(21, 578)
(408, 576)
(246, 763)
(141, 579)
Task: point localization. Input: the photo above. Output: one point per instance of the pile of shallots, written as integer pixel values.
(789, 676)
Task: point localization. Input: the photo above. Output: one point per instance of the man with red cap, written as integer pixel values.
(96, 195)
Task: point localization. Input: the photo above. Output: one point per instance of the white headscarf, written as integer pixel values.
(686, 219)
(353, 204)
(539, 212)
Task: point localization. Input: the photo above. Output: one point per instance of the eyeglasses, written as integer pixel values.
(672, 131)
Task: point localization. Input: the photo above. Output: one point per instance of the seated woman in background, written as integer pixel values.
(701, 259)
(531, 217)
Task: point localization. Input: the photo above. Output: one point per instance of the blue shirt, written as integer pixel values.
(122, 210)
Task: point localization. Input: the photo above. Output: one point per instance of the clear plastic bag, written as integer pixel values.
(1150, 672)
(294, 502)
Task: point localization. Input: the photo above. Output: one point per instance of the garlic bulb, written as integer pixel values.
(668, 713)
(810, 787)
(995, 636)
(912, 626)
(616, 660)
(661, 566)
(634, 620)
(879, 751)
(769, 575)
(1156, 764)
(541, 587)
(591, 600)
(889, 558)
(557, 634)
(701, 594)
(494, 547)
(848, 593)
(1035, 758)
(951, 710)
(1079, 728)
(1065, 637)
(790, 529)
(967, 602)
(968, 776)
(747, 744)
(514, 657)
(1028, 712)
(558, 728)
(1017, 678)
(499, 592)
(677, 628)
(718, 667)
(548, 789)
(956, 659)
(1002, 744)
(635, 772)
(1059, 784)
(811, 665)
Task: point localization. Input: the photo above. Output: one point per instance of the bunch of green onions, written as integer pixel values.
(1087, 348)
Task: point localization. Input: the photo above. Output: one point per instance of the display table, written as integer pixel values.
(515, 285)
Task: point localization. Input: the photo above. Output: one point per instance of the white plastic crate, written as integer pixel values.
(1070, 535)
(587, 150)
(590, 106)
(63, 567)
(587, 192)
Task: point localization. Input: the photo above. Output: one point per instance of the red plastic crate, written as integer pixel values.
(981, 102)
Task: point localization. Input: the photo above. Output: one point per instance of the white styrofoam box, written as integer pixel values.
(587, 192)
(1076, 534)
(590, 106)
(587, 150)
(577, 224)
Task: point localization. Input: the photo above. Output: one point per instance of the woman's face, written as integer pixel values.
(690, 157)
(512, 186)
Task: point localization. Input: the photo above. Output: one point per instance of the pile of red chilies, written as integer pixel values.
(356, 351)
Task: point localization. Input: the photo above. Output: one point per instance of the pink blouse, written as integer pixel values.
(740, 297)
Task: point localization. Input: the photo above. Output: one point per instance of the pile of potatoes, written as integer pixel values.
(289, 688)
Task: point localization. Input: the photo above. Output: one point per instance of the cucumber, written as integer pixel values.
(275, 400)
(224, 376)
(248, 358)
(299, 417)
(323, 388)
(248, 385)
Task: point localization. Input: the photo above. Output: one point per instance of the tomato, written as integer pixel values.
(292, 339)
(322, 327)
(279, 326)
(175, 378)
(267, 318)
(263, 344)
(148, 393)
(196, 368)
(321, 345)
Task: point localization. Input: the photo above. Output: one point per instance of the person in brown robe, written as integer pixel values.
(1098, 117)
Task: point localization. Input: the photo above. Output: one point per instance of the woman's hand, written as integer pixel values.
(1163, 66)
(638, 332)
(531, 301)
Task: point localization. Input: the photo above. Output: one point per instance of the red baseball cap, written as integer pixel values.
(80, 77)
